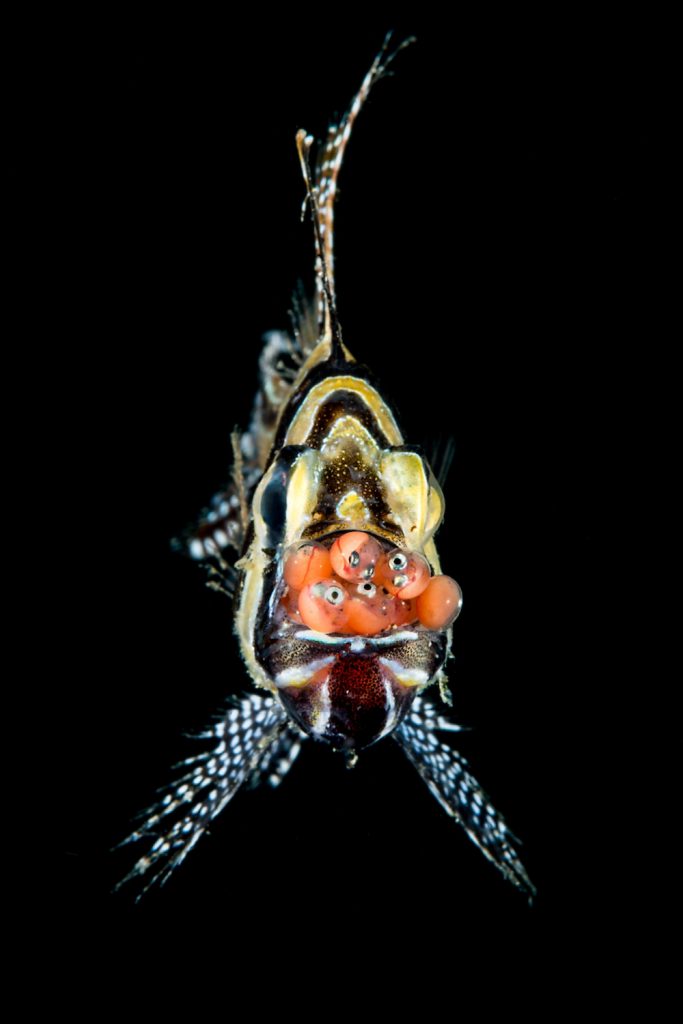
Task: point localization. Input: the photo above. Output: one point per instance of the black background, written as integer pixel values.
(499, 224)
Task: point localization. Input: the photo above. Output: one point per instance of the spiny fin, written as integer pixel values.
(177, 821)
(458, 792)
(279, 758)
(322, 190)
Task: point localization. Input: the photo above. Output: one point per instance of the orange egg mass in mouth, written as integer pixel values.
(356, 588)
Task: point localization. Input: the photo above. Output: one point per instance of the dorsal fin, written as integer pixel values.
(321, 189)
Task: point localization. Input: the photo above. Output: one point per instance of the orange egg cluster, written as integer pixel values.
(356, 587)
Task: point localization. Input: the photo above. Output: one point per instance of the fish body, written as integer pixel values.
(340, 466)
(342, 613)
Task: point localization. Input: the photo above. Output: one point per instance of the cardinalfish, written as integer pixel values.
(343, 614)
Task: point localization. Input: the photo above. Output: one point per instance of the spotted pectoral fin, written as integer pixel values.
(219, 529)
(279, 758)
(222, 526)
(244, 738)
(445, 772)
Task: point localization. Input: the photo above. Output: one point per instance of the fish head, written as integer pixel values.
(331, 617)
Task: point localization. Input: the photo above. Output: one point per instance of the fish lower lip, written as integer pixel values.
(357, 642)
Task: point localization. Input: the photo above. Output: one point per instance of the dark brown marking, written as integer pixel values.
(324, 370)
(344, 403)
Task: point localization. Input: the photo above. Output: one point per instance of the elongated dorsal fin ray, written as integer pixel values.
(331, 331)
(321, 190)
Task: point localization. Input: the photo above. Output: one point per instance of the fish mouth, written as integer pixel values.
(412, 656)
(298, 633)
(357, 643)
(348, 684)
(349, 699)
